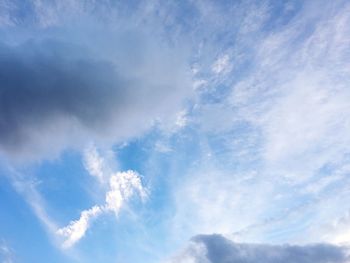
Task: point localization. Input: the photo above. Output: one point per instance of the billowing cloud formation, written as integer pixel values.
(55, 94)
(217, 249)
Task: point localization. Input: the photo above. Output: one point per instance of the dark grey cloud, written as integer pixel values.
(217, 249)
(54, 94)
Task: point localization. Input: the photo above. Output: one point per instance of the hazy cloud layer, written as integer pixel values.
(217, 249)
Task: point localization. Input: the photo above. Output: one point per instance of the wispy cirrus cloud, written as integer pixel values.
(274, 133)
(95, 164)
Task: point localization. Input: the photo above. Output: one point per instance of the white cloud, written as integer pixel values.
(222, 64)
(340, 232)
(181, 119)
(198, 83)
(162, 147)
(122, 186)
(94, 163)
(308, 127)
(290, 114)
(6, 253)
(6, 7)
(77, 228)
(27, 187)
(210, 200)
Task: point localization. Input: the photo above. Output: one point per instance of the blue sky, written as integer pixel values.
(174, 131)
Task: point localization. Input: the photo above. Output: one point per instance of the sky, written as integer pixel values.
(188, 131)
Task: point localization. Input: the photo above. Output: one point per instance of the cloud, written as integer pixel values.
(45, 14)
(122, 186)
(285, 122)
(338, 231)
(118, 188)
(26, 186)
(221, 65)
(209, 200)
(217, 249)
(77, 228)
(275, 130)
(94, 163)
(56, 94)
(6, 253)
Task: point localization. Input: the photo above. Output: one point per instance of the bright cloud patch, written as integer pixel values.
(221, 65)
(94, 163)
(122, 186)
(76, 229)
